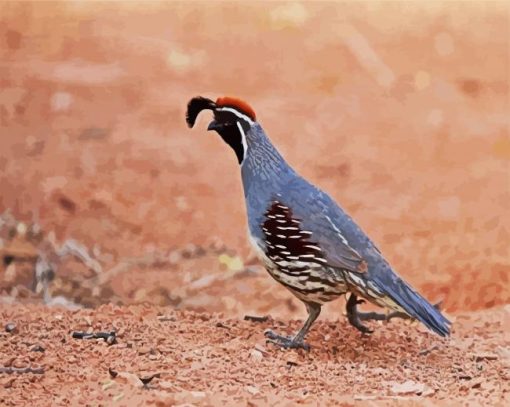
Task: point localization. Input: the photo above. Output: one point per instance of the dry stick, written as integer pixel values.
(255, 318)
(427, 351)
(72, 247)
(124, 265)
(109, 337)
(149, 260)
(78, 250)
(146, 380)
(379, 397)
(10, 370)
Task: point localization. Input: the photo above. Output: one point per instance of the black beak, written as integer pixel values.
(214, 125)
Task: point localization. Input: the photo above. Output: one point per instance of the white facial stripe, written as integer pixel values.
(243, 140)
(236, 112)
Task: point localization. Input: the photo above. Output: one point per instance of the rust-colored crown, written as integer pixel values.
(237, 104)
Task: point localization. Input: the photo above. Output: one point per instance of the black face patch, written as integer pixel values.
(227, 125)
(231, 135)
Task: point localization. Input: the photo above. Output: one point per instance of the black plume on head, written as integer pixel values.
(195, 106)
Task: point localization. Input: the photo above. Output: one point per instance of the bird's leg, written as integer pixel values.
(366, 316)
(355, 317)
(298, 341)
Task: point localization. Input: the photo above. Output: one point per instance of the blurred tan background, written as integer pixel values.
(400, 110)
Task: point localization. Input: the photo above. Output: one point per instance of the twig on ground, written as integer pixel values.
(72, 247)
(113, 373)
(428, 350)
(149, 260)
(28, 369)
(146, 380)
(109, 337)
(163, 318)
(255, 318)
(367, 397)
(485, 356)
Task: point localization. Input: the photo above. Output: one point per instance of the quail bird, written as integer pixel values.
(305, 240)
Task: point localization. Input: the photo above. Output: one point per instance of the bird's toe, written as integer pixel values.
(285, 341)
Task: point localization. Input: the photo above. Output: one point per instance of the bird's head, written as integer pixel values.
(233, 119)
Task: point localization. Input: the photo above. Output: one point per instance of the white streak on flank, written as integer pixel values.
(373, 294)
(279, 215)
(281, 236)
(281, 246)
(344, 240)
(287, 228)
(313, 247)
(357, 254)
(271, 217)
(358, 281)
(281, 206)
(281, 220)
(291, 265)
(374, 288)
(295, 221)
(285, 252)
(236, 112)
(305, 232)
(293, 257)
(243, 141)
(295, 237)
(312, 256)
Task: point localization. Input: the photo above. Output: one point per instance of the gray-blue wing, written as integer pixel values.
(346, 245)
(330, 227)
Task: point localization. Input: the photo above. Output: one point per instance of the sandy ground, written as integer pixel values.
(400, 113)
(207, 359)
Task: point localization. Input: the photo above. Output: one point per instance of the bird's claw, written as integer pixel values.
(285, 342)
(354, 316)
(356, 323)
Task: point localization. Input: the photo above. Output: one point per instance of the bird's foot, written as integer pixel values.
(354, 316)
(285, 341)
(377, 316)
(355, 320)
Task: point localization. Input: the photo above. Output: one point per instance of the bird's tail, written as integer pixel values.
(413, 304)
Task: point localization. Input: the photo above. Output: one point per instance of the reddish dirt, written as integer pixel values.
(207, 359)
(401, 113)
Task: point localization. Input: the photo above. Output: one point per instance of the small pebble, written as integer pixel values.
(11, 327)
(37, 348)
